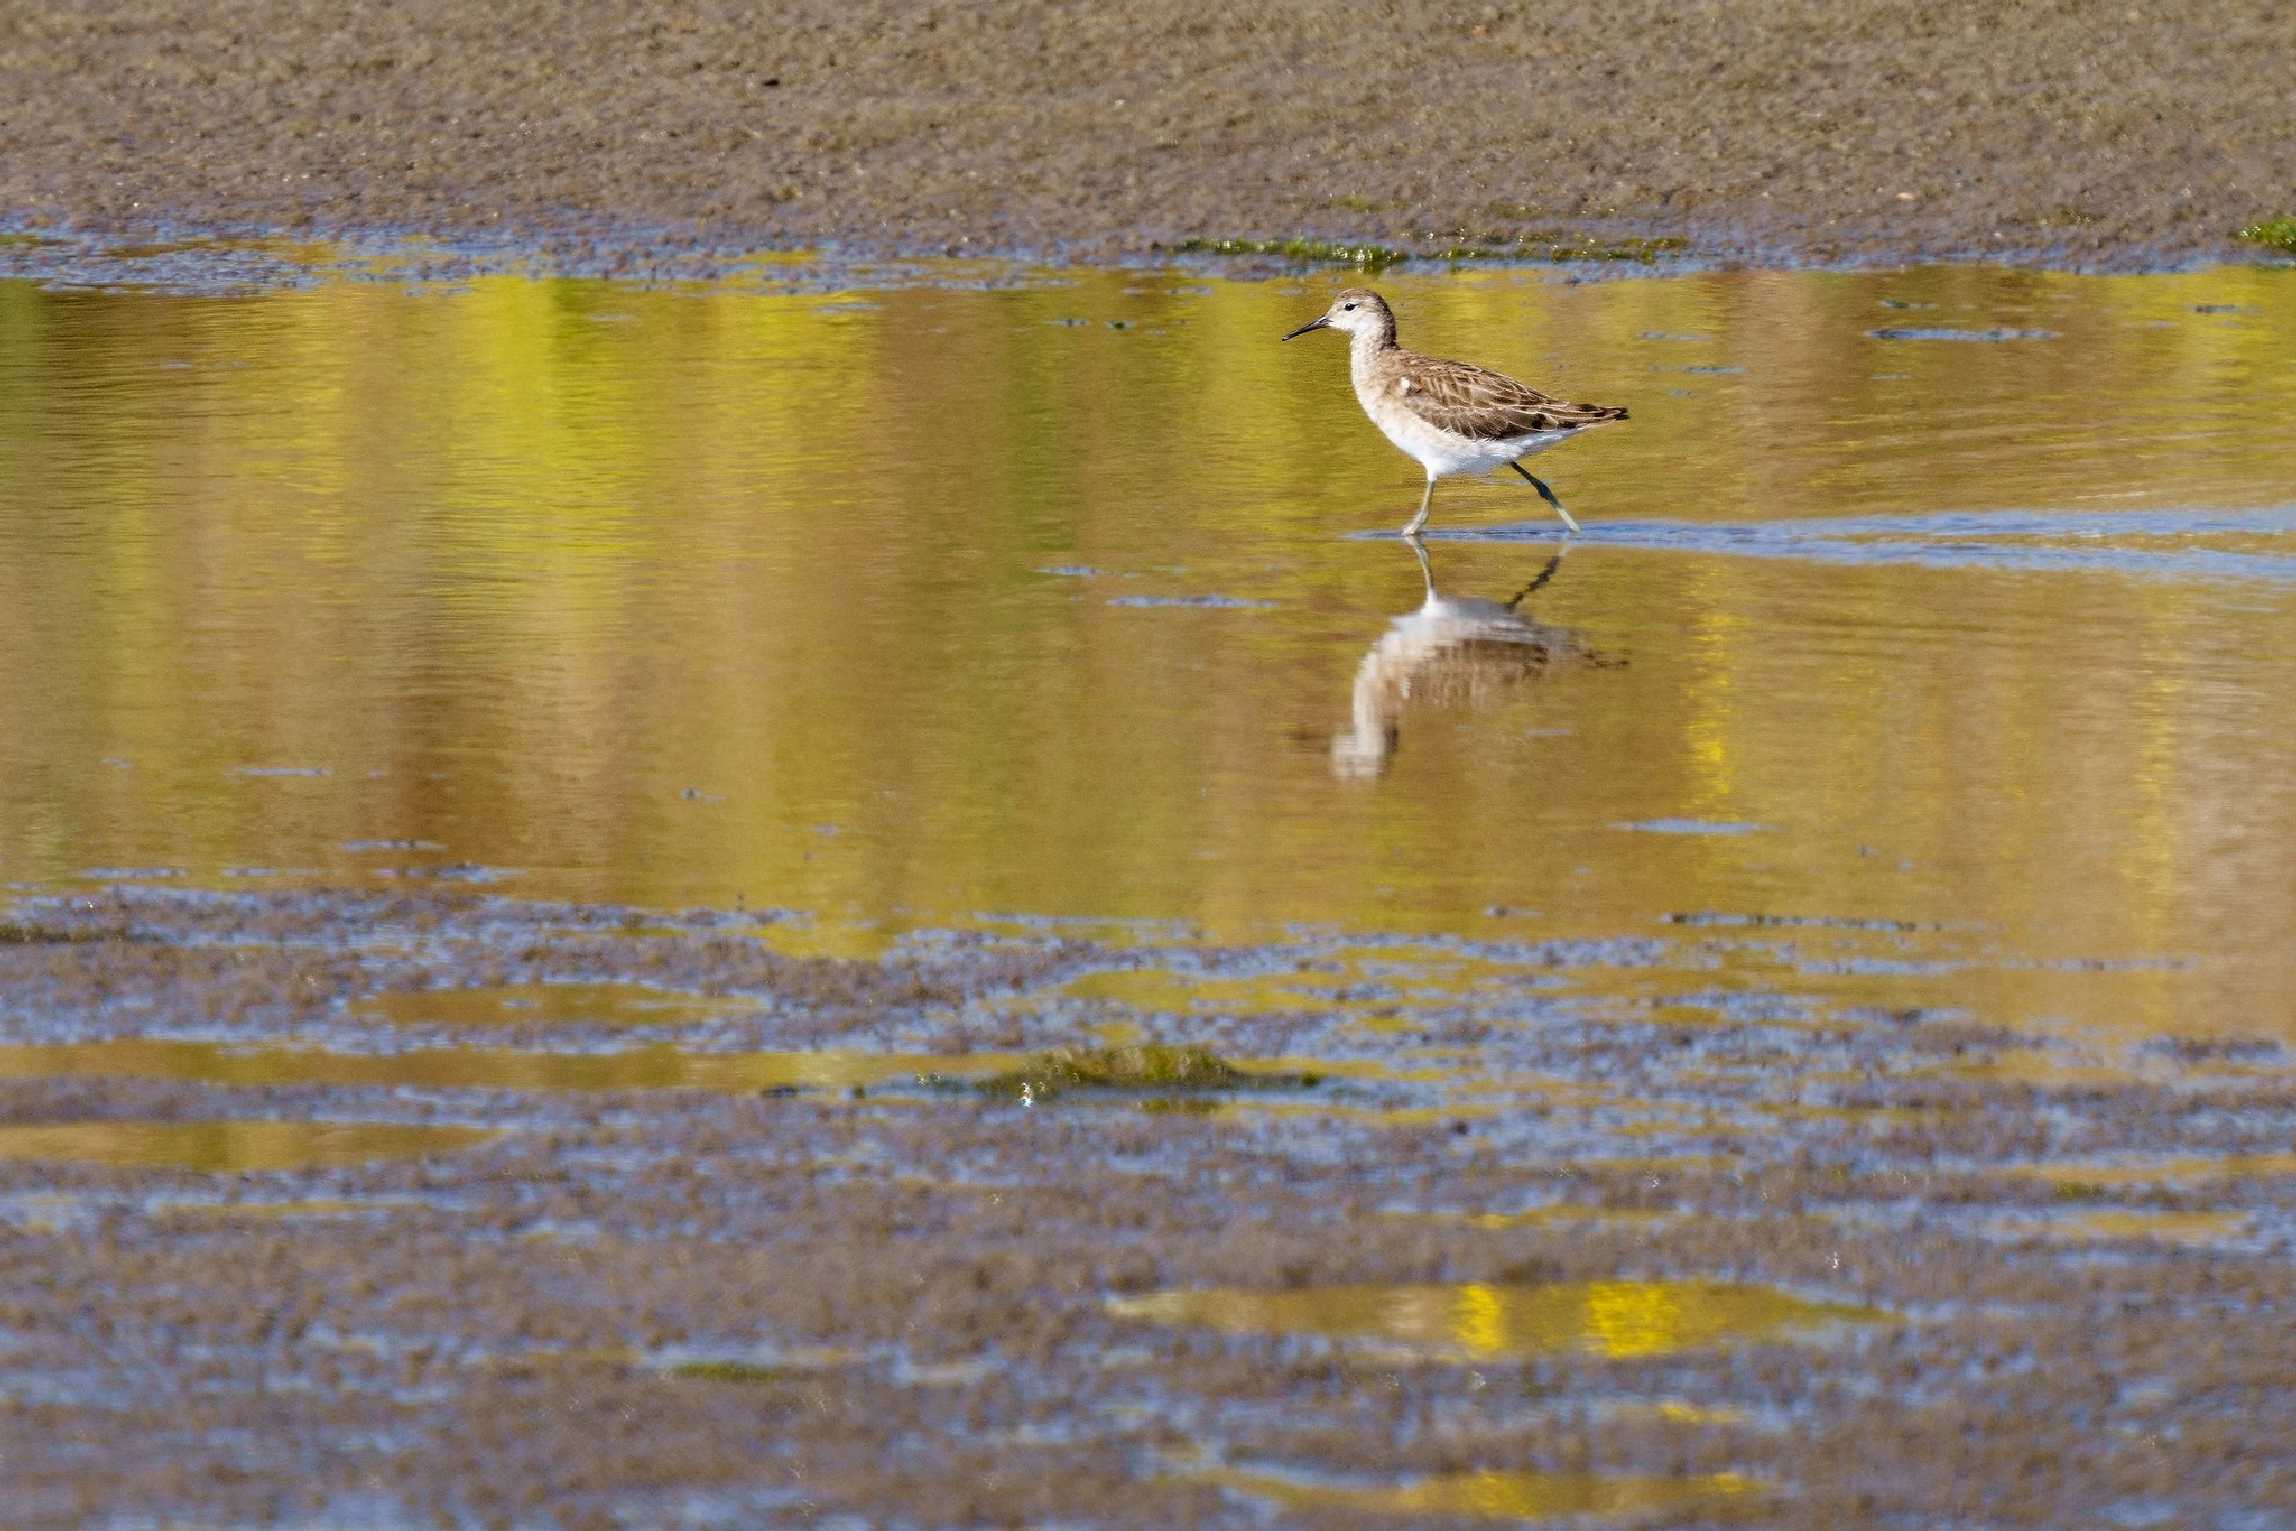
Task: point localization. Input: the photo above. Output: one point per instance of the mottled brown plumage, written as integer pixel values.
(1478, 403)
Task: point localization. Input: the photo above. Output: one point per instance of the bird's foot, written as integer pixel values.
(1545, 494)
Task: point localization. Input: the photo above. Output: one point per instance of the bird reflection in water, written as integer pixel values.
(1450, 652)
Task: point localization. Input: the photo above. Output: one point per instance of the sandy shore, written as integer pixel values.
(2060, 131)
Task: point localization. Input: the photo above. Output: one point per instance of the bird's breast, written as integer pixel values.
(1437, 450)
(1383, 400)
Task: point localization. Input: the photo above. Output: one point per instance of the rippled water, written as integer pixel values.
(1614, 1318)
(1933, 638)
(236, 1146)
(1503, 1496)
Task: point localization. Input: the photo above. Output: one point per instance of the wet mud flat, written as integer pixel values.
(625, 136)
(357, 1208)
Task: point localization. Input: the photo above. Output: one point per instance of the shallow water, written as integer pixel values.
(924, 606)
(230, 1146)
(482, 1068)
(1610, 1318)
(1491, 1495)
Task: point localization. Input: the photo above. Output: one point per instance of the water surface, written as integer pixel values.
(230, 1147)
(1610, 1318)
(1927, 672)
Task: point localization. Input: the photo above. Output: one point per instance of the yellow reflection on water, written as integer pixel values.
(1609, 1318)
(1489, 1494)
(2197, 1230)
(1674, 1411)
(843, 939)
(602, 586)
(484, 1068)
(2171, 1170)
(221, 1146)
(2054, 1069)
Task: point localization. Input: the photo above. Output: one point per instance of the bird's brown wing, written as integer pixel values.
(1489, 406)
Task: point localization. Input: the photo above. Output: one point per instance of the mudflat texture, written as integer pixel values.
(1788, 129)
(486, 1273)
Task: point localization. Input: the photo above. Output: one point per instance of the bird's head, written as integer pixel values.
(1358, 311)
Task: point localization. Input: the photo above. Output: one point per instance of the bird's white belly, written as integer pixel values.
(1441, 452)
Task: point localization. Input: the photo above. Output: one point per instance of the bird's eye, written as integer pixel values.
(1351, 308)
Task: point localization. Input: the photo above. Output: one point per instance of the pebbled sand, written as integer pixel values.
(2058, 131)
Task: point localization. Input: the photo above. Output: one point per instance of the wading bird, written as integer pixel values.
(1452, 417)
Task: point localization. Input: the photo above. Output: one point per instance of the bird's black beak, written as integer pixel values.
(1313, 324)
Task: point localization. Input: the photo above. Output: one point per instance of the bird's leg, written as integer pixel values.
(1544, 575)
(1426, 572)
(1425, 500)
(1546, 494)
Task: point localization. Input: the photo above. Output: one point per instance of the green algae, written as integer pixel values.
(1563, 248)
(1165, 1105)
(1366, 257)
(1139, 1067)
(19, 933)
(2273, 233)
(1550, 247)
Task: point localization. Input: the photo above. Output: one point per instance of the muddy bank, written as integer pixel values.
(1508, 1260)
(2064, 132)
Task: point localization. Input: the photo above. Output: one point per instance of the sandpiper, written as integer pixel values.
(1452, 417)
